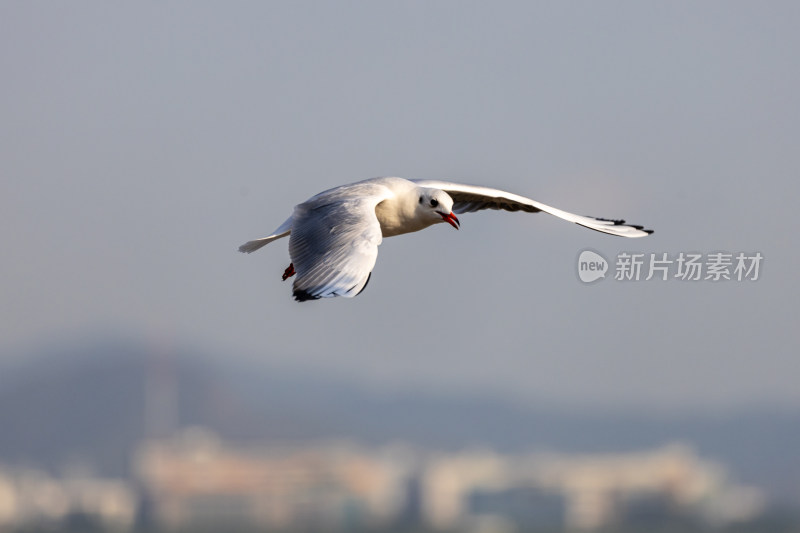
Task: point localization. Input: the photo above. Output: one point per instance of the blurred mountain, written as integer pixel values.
(92, 405)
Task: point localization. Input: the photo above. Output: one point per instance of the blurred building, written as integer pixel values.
(30, 497)
(594, 491)
(194, 479)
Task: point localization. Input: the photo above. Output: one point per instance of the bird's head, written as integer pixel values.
(437, 206)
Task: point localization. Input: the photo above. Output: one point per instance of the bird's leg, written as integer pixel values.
(289, 272)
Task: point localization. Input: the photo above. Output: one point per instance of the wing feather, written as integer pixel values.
(334, 246)
(471, 198)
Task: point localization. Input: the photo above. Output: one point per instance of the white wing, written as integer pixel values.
(334, 243)
(469, 198)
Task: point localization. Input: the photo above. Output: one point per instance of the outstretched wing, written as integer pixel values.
(469, 198)
(334, 245)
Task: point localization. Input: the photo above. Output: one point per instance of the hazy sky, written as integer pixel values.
(142, 143)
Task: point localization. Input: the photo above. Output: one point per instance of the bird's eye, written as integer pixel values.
(434, 202)
(420, 199)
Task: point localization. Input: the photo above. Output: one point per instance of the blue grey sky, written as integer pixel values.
(141, 143)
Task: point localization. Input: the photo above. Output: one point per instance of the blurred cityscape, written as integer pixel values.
(194, 479)
(121, 438)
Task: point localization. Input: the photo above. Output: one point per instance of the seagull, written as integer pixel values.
(334, 236)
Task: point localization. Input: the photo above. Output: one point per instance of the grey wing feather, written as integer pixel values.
(470, 198)
(334, 247)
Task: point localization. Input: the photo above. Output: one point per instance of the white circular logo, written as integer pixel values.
(591, 266)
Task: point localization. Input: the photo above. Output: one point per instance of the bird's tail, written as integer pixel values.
(251, 246)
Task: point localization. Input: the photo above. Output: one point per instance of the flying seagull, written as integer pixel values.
(334, 236)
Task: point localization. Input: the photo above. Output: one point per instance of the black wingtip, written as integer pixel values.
(615, 221)
(302, 295)
(365, 284)
(620, 222)
(640, 228)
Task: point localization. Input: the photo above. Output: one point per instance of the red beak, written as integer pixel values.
(451, 219)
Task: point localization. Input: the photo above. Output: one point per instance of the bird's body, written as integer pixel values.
(394, 199)
(334, 235)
